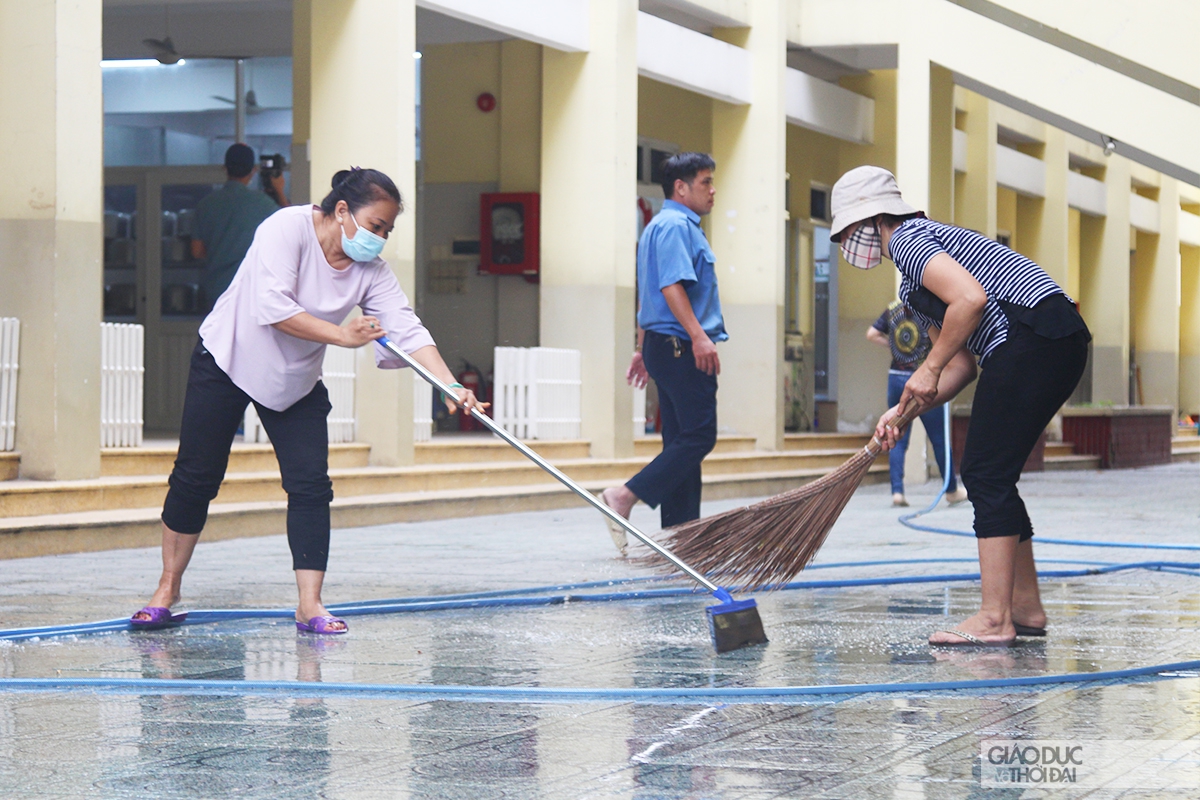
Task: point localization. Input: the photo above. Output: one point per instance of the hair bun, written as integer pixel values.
(340, 177)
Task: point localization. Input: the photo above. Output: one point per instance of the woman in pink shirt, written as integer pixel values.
(264, 343)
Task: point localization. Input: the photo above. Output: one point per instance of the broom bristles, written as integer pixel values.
(769, 542)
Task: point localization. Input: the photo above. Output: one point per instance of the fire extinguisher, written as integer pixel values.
(470, 380)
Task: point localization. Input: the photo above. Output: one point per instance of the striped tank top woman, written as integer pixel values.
(1013, 283)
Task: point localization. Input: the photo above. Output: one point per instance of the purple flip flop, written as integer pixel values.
(159, 617)
(322, 625)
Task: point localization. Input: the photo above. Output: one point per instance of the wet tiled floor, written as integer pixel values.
(910, 744)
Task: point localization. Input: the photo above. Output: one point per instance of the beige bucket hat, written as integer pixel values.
(862, 193)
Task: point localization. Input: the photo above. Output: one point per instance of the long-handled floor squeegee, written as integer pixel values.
(732, 623)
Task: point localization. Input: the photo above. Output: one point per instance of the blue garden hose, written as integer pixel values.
(706, 695)
(564, 593)
(567, 593)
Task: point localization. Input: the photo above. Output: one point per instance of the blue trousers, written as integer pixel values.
(687, 400)
(934, 421)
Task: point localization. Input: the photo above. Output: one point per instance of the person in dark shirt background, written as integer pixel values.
(908, 339)
(227, 219)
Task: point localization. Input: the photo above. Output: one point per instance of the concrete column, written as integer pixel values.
(863, 295)
(1104, 286)
(1044, 222)
(941, 144)
(520, 110)
(747, 230)
(920, 463)
(917, 165)
(301, 191)
(51, 237)
(1189, 330)
(975, 196)
(362, 57)
(1156, 302)
(589, 236)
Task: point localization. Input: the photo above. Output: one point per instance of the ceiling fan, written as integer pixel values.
(252, 106)
(164, 48)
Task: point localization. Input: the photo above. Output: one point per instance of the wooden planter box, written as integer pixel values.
(959, 422)
(1123, 436)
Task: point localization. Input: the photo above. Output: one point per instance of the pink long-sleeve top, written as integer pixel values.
(285, 272)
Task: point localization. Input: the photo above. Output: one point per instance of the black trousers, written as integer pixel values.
(1021, 387)
(687, 400)
(212, 410)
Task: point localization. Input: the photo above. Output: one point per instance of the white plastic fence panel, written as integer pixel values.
(639, 411)
(537, 392)
(422, 410)
(338, 373)
(10, 348)
(122, 374)
(252, 427)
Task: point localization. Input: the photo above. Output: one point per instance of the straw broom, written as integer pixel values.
(769, 542)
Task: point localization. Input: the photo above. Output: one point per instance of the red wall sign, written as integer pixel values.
(509, 233)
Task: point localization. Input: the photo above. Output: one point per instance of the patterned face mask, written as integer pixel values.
(863, 248)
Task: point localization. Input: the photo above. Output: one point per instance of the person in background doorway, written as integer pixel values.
(679, 325)
(264, 343)
(227, 219)
(907, 337)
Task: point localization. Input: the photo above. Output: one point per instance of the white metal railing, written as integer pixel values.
(10, 349)
(537, 392)
(422, 410)
(639, 412)
(122, 372)
(338, 373)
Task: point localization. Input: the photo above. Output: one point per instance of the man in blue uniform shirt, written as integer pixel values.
(679, 324)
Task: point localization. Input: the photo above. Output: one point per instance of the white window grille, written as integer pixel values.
(639, 411)
(122, 372)
(338, 373)
(537, 392)
(10, 348)
(422, 409)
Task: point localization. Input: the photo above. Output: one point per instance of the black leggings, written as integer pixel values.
(1023, 385)
(212, 411)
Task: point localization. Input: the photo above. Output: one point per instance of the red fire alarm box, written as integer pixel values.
(509, 233)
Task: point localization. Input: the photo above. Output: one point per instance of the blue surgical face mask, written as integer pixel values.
(365, 246)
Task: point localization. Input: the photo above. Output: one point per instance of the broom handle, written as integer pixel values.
(875, 447)
(587, 496)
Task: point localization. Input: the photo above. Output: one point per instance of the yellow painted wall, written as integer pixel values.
(460, 143)
(863, 295)
(1006, 215)
(1073, 224)
(675, 115)
(1189, 331)
(811, 158)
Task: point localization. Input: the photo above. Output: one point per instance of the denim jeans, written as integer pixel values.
(934, 421)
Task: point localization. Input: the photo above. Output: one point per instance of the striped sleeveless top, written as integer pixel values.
(1005, 275)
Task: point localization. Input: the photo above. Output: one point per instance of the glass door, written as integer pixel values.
(152, 277)
(825, 317)
(176, 300)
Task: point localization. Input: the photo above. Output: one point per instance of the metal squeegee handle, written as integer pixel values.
(584, 494)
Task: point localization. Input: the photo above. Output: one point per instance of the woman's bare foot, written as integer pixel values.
(164, 597)
(987, 627)
(305, 613)
(622, 501)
